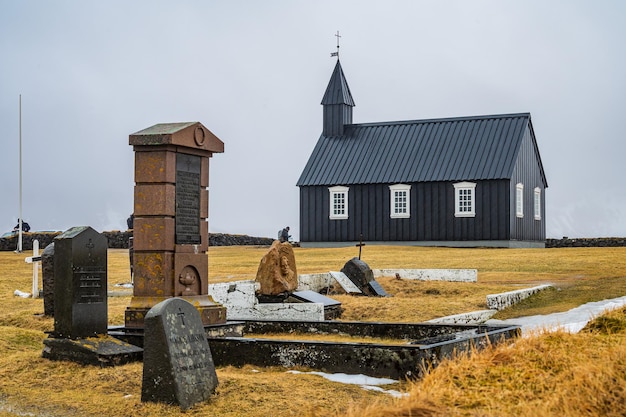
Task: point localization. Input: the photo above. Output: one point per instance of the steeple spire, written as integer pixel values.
(337, 101)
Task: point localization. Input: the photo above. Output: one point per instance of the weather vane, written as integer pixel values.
(336, 53)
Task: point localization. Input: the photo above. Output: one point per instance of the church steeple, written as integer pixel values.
(337, 103)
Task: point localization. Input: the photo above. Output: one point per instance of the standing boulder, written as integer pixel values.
(277, 273)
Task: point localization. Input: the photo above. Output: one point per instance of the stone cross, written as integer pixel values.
(35, 260)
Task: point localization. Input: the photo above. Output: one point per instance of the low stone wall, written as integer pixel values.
(452, 275)
(473, 317)
(119, 240)
(507, 299)
(596, 242)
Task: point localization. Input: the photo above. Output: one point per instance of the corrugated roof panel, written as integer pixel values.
(470, 148)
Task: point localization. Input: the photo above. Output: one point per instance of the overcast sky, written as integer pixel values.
(254, 72)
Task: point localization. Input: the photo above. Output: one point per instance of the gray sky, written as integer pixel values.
(254, 73)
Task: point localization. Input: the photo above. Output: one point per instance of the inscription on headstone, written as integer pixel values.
(187, 199)
(177, 362)
(80, 283)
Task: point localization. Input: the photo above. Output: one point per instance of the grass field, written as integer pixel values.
(558, 374)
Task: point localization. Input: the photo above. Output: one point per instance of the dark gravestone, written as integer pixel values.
(80, 303)
(360, 274)
(177, 363)
(80, 283)
(47, 270)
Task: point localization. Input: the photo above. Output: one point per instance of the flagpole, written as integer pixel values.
(19, 238)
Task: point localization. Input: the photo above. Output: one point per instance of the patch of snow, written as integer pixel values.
(366, 382)
(21, 294)
(392, 392)
(571, 321)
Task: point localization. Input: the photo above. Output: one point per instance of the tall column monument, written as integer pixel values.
(171, 233)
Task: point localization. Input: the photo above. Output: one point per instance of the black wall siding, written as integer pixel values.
(432, 214)
(528, 173)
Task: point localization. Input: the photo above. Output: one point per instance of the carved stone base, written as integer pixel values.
(210, 311)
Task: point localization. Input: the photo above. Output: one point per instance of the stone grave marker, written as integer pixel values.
(47, 272)
(80, 303)
(170, 219)
(177, 362)
(80, 283)
(363, 277)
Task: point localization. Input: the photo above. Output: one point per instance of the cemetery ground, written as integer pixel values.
(546, 374)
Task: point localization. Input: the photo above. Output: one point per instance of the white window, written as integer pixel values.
(464, 199)
(338, 202)
(519, 200)
(400, 201)
(537, 203)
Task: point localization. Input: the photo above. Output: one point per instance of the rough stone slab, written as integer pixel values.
(345, 282)
(241, 304)
(314, 282)
(177, 362)
(473, 317)
(101, 351)
(507, 299)
(278, 311)
(453, 275)
(234, 293)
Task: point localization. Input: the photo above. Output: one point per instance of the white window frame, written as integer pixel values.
(338, 209)
(519, 200)
(465, 199)
(537, 203)
(394, 191)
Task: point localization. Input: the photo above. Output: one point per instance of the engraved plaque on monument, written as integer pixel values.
(80, 283)
(187, 199)
(177, 363)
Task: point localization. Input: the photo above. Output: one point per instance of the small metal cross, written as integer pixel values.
(181, 314)
(360, 246)
(336, 53)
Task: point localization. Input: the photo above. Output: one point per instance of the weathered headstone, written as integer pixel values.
(170, 229)
(363, 277)
(177, 363)
(360, 274)
(47, 272)
(80, 303)
(80, 283)
(277, 272)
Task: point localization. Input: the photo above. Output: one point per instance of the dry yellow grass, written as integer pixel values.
(549, 375)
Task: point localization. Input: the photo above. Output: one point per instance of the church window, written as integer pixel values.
(338, 202)
(400, 201)
(464, 199)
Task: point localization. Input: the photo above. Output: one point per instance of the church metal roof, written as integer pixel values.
(449, 149)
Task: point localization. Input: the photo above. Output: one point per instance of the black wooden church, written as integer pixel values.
(463, 181)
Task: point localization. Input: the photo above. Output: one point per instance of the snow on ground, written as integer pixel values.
(571, 321)
(366, 382)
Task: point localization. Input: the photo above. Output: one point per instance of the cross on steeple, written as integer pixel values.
(336, 53)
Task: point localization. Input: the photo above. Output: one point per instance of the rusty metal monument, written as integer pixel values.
(171, 233)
